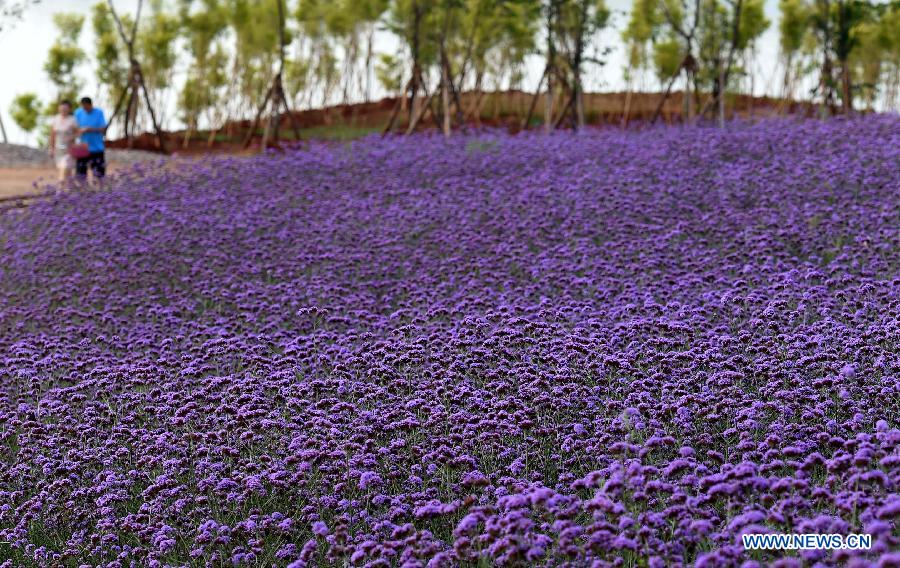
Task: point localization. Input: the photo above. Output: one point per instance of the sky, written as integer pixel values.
(24, 48)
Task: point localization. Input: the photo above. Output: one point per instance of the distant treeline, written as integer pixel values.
(839, 54)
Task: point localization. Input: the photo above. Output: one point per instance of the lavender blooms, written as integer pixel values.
(606, 349)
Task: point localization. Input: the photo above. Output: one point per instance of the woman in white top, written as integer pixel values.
(63, 133)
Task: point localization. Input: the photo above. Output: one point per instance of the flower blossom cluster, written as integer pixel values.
(604, 349)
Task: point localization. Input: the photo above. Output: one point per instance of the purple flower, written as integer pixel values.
(549, 349)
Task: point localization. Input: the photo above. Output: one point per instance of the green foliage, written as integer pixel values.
(410, 21)
(201, 26)
(345, 26)
(203, 23)
(717, 34)
(876, 60)
(579, 21)
(155, 44)
(296, 76)
(643, 22)
(667, 56)
(849, 43)
(233, 47)
(676, 13)
(493, 37)
(25, 111)
(109, 52)
(389, 71)
(752, 24)
(65, 55)
(793, 25)
(202, 90)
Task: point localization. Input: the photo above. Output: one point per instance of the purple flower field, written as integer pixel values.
(606, 349)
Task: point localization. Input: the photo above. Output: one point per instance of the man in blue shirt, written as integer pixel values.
(92, 128)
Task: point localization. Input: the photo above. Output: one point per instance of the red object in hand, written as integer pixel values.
(79, 151)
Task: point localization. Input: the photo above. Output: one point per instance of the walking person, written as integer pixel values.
(92, 128)
(63, 134)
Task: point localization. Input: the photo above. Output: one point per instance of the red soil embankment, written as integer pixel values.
(505, 109)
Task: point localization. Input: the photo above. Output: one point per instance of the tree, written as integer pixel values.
(578, 23)
(351, 26)
(202, 25)
(66, 55)
(368, 14)
(639, 36)
(109, 53)
(850, 15)
(727, 30)
(680, 26)
(275, 93)
(838, 28)
(25, 111)
(322, 51)
(490, 43)
(878, 58)
(410, 21)
(136, 83)
(389, 72)
(156, 49)
(793, 28)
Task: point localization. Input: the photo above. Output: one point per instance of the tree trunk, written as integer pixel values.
(627, 109)
(258, 117)
(416, 67)
(579, 107)
(474, 112)
(534, 99)
(786, 90)
(577, 87)
(548, 105)
(752, 87)
(160, 143)
(445, 96)
(188, 132)
(721, 96)
(826, 80)
(668, 91)
(276, 120)
(350, 57)
(551, 69)
(420, 113)
(369, 47)
(266, 131)
(846, 88)
(211, 139)
(129, 116)
(398, 106)
(479, 106)
(413, 107)
(3, 130)
(292, 118)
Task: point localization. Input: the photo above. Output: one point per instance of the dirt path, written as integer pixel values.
(21, 181)
(27, 170)
(31, 180)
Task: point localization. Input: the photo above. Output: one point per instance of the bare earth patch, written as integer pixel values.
(27, 171)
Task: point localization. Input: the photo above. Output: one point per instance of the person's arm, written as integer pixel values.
(102, 128)
(52, 141)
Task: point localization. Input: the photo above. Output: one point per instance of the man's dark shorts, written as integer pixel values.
(96, 161)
